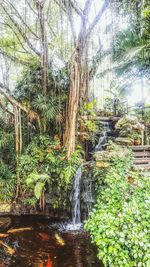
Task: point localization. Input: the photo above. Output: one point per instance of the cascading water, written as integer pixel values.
(76, 213)
(76, 209)
(87, 192)
(103, 137)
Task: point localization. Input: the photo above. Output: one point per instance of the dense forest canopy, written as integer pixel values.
(65, 67)
(53, 51)
(55, 55)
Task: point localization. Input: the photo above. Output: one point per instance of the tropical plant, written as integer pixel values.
(37, 182)
(119, 225)
(44, 166)
(7, 183)
(88, 123)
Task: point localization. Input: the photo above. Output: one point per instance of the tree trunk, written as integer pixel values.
(43, 52)
(44, 48)
(79, 72)
(75, 82)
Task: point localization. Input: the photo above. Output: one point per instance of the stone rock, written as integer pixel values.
(5, 208)
(102, 164)
(124, 141)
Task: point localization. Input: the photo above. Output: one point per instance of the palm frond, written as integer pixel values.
(125, 60)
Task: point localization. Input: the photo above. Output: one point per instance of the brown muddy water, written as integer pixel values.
(45, 245)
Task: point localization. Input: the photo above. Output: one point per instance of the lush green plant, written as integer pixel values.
(130, 129)
(115, 102)
(37, 183)
(119, 222)
(136, 136)
(88, 125)
(49, 109)
(7, 142)
(44, 167)
(7, 183)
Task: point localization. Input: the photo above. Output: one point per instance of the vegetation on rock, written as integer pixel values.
(119, 222)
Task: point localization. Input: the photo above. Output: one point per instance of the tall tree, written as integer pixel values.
(78, 65)
(36, 38)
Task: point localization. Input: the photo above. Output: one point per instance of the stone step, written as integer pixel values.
(140, 148)
(145, 167)
(141, 161)
(141, 154)
(146, 173)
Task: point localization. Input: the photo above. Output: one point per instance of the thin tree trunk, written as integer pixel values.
(78, 92)
(75, 82)
(43, 52)
(43, 44)
(18, 142)
(17, 148)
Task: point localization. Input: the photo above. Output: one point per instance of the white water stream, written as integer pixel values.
(103, 139)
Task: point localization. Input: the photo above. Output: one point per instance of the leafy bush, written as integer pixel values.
(7, 143)
(128, 126)
(119, 222)
(44, 167)
(37, 183)
(7, 183)
(88, 125)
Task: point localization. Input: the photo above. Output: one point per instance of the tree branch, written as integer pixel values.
(98, 16)
(13, 58)
(5, 109)
(72, 3)
(21, 19)
(4, 90)
(87, 7)
(75, 6)
(71, 19)
(21, 32)
(29, 4)
(16, 34)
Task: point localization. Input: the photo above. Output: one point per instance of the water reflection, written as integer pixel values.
(48, 248)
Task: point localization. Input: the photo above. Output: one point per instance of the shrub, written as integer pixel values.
(119, 222)
(44, 167)
(7, 183)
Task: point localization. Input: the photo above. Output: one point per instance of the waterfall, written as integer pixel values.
(76, 224)
(87, 194)
(103, 137)
(76, 213)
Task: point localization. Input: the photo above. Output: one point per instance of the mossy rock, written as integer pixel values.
(124, 141)
(5, 208)
(100, 155)
(100, 164)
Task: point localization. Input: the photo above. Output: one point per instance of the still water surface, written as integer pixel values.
(46, 246)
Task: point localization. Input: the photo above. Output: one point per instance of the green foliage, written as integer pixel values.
(37, 182)
(44, 167)
(7, 183)
(7, 162)
(115, 102)
(129, 126)
(87, 122)
(7, 143)
(5, 139)
(30, 93)
(119, 222)
(89, 108)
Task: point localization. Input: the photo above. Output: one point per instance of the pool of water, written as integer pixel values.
(45, 245)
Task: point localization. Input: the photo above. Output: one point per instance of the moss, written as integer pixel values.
(5, 208)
